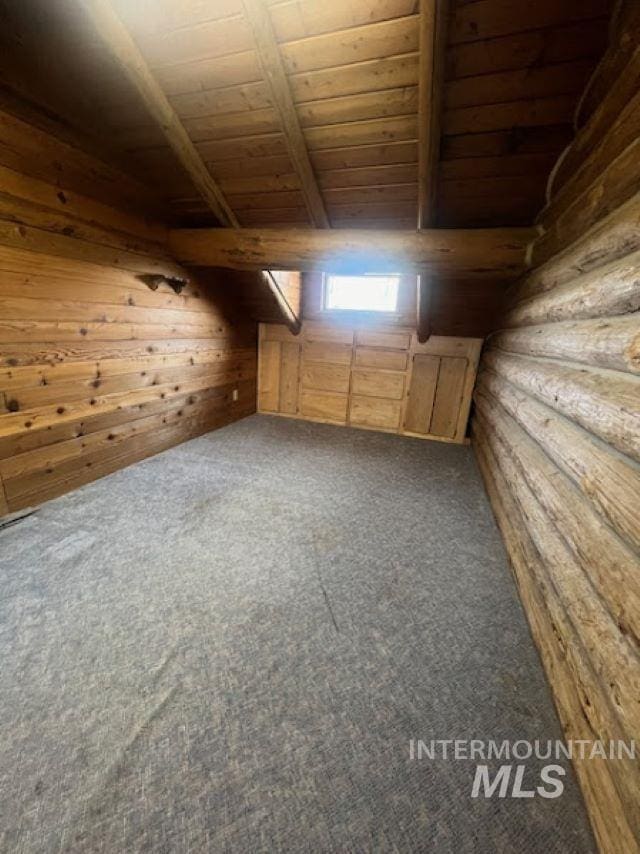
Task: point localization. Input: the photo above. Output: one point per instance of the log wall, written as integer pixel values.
(557, 435)
(96, 369)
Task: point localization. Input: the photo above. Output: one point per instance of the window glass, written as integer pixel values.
(361, 293)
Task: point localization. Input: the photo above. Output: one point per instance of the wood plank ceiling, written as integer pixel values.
(513, 73)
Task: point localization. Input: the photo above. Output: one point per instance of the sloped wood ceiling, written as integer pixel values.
(513, 74)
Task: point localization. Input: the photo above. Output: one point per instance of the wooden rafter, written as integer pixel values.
(489, 253)
(433, 33)
(288, 314)
(274, 74)
(130, 60)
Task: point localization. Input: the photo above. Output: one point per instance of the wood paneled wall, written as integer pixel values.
(97, 370)
(372, 377)
(557, 435)
(462, 308)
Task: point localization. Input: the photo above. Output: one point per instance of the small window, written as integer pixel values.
(372, 292)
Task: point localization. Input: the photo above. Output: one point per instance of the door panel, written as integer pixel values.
(289, 377)
(269, 376)
(392, 360)
(422, 392)
(446, 406)
(319, 351)
(377, 384)
(390, 340)
(325, 377)
(326, 407)
(375, 412)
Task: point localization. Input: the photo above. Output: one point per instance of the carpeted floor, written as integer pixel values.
(228, 647)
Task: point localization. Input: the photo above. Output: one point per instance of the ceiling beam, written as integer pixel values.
(490, 253)
(275, 75)
(433, 37)
(129, 59)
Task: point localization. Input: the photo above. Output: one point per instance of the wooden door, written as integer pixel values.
(422, 392)
(448, 398)
(435, 395)
(289, 377)
(278, 377)
(269, 376)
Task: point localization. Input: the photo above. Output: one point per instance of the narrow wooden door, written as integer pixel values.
(448, 398)
(435, 395)
(278, 379)
(422, 392)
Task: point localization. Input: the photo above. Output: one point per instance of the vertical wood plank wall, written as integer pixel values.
(557, 435)
(372, 377)
(97, 370)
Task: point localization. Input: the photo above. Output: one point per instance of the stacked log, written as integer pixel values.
(556, 432)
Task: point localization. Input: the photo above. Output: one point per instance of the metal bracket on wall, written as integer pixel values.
(154, 280)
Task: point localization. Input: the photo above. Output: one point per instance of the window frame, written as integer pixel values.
(361, 312)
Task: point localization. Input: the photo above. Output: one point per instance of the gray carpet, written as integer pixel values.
(228, 647)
